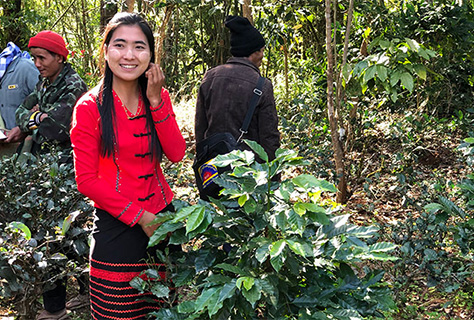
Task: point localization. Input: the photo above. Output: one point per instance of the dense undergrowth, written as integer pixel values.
(418, 191)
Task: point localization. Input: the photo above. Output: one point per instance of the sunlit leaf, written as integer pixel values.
(382, 247)
(277, 248)
(242, 199)
(68, 221)
(300, 248)
(185, 212)
(263, 252)
(257, 149)
(20, 226)
(277, 262)
(307, 182)
(297, 223)
(195, 219)
(414, 46)
(247, 282)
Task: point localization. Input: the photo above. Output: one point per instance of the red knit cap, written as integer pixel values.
(50, 41)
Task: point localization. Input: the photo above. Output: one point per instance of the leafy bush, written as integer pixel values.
(43, 233)
(444, 27)
(439, 241)
(268, 250)
(392, 68)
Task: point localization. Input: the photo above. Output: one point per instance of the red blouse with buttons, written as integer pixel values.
(128, 182)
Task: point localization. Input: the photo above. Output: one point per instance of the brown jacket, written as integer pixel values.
(223, 100)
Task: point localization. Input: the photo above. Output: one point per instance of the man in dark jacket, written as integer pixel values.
(226, 91)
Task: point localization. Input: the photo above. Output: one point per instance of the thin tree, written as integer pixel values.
(334, 100)
(107, 11)
(247, 10)
(162, 33)
(129, 5)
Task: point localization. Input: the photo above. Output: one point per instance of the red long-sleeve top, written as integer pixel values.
(128, 182)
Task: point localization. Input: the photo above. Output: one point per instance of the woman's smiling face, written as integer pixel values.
(128, 53)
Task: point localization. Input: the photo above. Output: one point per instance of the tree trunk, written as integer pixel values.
(247, 10)
(107, 10)
(162, 34)
(339, 91)
(285, 51)
(336, 142)
(129, 5)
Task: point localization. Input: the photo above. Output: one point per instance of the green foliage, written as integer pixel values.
(440, 26)
(15, 22)
(43, 231)
(435, 244)
(439, 241)
(270, 249)
(392, 67)
(446, 28)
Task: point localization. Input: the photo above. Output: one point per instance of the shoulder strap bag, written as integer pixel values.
(220, 143)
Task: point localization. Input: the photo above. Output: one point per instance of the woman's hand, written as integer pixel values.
(146, 218)
(156, 80)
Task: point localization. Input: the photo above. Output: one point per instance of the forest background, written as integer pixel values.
(391, 130)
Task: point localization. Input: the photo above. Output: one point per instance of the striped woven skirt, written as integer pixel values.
(119, 254)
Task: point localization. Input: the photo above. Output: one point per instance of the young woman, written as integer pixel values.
(119, 133)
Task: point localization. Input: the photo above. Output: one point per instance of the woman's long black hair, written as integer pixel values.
(105, 99)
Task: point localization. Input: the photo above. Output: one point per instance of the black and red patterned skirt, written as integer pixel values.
(118, 254)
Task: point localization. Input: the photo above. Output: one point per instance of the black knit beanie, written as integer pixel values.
(244, 38)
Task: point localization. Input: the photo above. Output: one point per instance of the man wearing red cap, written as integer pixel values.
(46, 115)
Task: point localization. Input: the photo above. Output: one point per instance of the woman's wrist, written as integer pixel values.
(146, 218)
(156, 103)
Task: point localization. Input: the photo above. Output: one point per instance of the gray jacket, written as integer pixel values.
(16, 84)
(223, 100)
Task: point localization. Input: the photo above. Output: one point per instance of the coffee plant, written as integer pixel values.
(268, 250)
(43, 228)
(438, 242)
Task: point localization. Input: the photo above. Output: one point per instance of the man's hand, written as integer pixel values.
(15, 135)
